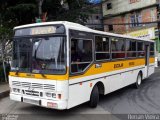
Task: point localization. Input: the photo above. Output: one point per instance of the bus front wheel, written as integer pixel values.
(94, 98)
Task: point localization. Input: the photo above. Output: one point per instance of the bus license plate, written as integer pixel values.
(31, 101)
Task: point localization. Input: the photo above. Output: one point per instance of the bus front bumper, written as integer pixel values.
(60, 105)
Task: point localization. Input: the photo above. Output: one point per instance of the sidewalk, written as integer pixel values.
(4, 90)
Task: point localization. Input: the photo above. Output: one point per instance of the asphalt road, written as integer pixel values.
(116, 105)
(128, 100)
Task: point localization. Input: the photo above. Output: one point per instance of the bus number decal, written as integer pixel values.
(118, 65)
(131, 63)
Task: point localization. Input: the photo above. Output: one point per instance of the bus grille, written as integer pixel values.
(26, 84)
(49, 87)
(16, 83)
(33, 85)
(37, 86)
(32, 93)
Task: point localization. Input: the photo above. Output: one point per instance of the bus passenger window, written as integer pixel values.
(151, 49)
(102, 48)
(81, 55)
(131, 48)
(140, 49)
(118, 48)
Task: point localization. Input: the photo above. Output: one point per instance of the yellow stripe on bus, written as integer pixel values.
(40, 76)
(105, 67)
(151, 60)
(113, 66)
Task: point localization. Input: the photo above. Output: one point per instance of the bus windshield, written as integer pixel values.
(44, 55)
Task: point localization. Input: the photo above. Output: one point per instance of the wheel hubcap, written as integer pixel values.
(139, 80)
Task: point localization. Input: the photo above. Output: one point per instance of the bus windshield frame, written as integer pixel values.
(40, 54)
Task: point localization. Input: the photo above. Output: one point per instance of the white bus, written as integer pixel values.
(61, 64)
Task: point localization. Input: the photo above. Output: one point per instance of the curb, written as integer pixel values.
(4, 94)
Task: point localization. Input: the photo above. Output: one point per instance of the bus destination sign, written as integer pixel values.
(43, 30)
(40, 30)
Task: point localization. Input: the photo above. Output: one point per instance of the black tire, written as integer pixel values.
(94, 99)
(138, 81)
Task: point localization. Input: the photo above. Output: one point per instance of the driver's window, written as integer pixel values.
(81, 55)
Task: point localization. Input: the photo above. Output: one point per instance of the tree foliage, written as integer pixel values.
(19, 12)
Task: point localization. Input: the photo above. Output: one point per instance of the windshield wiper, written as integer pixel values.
(35, 57)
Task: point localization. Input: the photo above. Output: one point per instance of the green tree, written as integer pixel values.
(18, 12)
(77, 10)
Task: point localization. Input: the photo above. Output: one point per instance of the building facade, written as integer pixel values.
(137, 18)
(95, 18)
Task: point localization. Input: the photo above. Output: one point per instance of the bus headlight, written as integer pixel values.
(50, 95)
(53, 95)
(16, 90)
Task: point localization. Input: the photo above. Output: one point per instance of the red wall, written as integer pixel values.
(125, 18)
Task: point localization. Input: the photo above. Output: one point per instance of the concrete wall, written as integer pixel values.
(120, 6)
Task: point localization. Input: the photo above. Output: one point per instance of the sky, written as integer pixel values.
(95, 1)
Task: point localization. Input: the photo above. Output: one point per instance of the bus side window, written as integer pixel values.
(140, 46)
(118, 48)
(102, 48)
(81, 55)
(152, 49)
(131, 48)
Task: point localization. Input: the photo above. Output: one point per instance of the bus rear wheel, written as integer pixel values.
(138, 81)
(94, 98)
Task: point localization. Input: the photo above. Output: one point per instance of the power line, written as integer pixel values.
(127, 23)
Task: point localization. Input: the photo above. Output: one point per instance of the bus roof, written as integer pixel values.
(76, 26)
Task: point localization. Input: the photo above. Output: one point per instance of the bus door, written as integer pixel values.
(146, 59)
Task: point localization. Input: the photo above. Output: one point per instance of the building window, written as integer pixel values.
(110, 27)
(127, 21)
(153, 15)
(118, 48)
(136, 19)
(102, 48)
(109, 6)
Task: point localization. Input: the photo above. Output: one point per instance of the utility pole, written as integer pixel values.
(40, 2)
